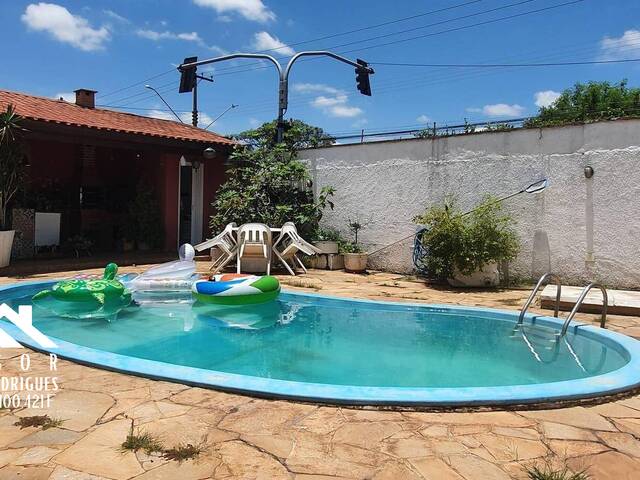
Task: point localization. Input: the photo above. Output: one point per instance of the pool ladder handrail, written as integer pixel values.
(583, 294)
(532, 296)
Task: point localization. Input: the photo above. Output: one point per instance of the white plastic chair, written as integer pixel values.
(288, 244)
(254, 241)
(226, 243)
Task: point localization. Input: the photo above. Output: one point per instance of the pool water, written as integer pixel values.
(302, 338)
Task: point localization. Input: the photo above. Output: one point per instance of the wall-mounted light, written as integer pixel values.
(209, 153)
(588, 171)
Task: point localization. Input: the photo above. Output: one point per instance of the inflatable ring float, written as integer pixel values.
(232, 289)
(79, 298)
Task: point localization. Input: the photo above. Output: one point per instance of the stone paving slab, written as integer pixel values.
(249, 438)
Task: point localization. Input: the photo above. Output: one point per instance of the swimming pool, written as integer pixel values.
(338, 350)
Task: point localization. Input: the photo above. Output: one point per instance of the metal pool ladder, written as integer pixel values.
(583, 294)
(576, 307)
(543, 278)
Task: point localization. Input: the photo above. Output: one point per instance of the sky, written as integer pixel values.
(116, 47)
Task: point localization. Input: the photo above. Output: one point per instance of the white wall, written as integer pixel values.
(388, 183)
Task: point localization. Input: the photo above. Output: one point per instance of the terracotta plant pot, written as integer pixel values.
(487, 277)
(327, 246)
(6, 243)
(355, 262)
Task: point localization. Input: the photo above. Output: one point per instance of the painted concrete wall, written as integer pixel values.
(582, 228)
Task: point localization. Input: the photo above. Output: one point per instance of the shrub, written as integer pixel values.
(466, 242)
(268, 184)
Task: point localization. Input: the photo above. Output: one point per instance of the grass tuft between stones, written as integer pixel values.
(183, 452)
(545, 472)
(43, 421)
(142, 440)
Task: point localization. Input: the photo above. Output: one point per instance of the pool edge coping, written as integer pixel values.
(621, 380)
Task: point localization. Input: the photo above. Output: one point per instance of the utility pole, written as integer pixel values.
(188, 72)
(189, 83)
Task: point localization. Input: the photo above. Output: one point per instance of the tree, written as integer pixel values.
(297, 135)
(12, 166)
(589, 102)
(268, 184)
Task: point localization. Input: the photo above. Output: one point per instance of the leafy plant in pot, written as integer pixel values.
(355, 258)
(327, 240)
(466, 248)
(12, 170)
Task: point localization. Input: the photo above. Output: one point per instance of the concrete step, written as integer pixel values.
(621, 302)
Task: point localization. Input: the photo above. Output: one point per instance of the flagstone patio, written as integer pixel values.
(251, 438)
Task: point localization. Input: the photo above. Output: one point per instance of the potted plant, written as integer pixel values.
(12, 168)
(326, 240)
(465, 248)
(355, 258)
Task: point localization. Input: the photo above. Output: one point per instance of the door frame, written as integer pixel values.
(197, 196)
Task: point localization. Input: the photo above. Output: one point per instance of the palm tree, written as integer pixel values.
(11, 159)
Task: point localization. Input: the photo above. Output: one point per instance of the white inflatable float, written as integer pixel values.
(169, 281)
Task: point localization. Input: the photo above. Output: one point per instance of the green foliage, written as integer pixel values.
(141, 440)
(183, 452)
(269, 185)
(466, 242)
(498, 127)
(353, 247)
(145, 218)
(589, 102)
(323, 234)
(12, 165)
(546, 472)
(43, 421)
(297, 135)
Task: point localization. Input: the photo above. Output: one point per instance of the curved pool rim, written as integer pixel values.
(621, 380)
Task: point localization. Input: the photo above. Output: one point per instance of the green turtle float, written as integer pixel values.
(77, 298)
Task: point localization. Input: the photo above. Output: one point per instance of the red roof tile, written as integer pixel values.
(64, 113)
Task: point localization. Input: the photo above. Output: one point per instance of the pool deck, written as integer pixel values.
(250, 438)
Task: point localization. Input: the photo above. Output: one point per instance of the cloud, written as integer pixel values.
(345, 111)
(204, 119)
(545, 98)
(66, 96)
(503, 110)
(58, 22)
(626, 46)
(113, 15)
(473, 110)
(314, 88)
(263, 41)
(250, 9)
(185, 36)
(334, 103)
(423, 119)
(324, 102)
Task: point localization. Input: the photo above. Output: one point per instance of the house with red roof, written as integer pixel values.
(88, 165)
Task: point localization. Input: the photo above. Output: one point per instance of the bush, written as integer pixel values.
(466, 242)
(589, 102)
(268, 184)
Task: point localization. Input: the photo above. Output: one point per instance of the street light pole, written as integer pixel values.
(165, 102)
(283, 75)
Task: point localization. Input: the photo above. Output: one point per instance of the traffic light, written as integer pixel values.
(362, 77)
(187, 76)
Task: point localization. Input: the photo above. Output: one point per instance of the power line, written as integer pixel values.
(502, 65)
(141, 82)
(325, 37)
